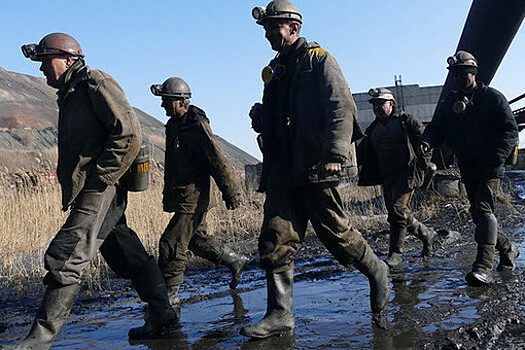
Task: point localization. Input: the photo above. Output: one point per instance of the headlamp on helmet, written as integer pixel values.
(381, 94)
(258, 13)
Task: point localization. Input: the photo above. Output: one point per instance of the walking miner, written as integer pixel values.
(387, 155)
(476, 122)
(308, 121)
(192, 156)
(99, 137)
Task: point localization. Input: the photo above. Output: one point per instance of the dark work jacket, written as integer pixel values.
(309, 117)
(99, 133)
(413, 170)
(192, 156)
(482, 137)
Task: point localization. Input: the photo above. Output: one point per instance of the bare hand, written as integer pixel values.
(329, 169)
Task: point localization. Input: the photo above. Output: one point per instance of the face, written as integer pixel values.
(382, 108)
(463, 80)
(174, 107)
(280, 34)
(53, 67)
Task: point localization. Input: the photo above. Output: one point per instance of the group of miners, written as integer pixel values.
(308, 127)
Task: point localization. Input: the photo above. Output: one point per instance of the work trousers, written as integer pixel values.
(397, 198)
(481, 194)
(96, 222)
(185, 232)
(286, 215)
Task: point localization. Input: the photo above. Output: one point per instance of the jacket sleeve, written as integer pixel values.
(218, 165)
(415, 129)
(122, 125)
(340, 111)
(506, 127)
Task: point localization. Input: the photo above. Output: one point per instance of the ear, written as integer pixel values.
(295, 27)
(70, 60)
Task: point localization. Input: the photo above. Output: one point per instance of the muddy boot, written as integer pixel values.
(486, 237)
(236, 263)
(507, 260)
(279, 316)
(377, 272)
(173, 296)
(397, 243)
(481, 273)
(151, 288)
(425, 234)
(53, 312)
(394, 259)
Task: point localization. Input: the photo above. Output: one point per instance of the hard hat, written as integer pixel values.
(53, 44)
(277, 9)
(173, 87)
(462, 58)
(381, 94)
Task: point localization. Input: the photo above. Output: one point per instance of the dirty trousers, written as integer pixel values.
(481, 194)
(397, 201)
(96, 222)
(286, 215)
(185, 232)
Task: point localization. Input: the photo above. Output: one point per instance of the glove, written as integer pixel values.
(233, 202)
(256, 116)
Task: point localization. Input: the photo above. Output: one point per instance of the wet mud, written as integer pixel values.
(431, 306)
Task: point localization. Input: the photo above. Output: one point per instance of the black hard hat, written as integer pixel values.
(53, 44)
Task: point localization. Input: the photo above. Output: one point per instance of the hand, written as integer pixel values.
(234, 202)
(329, 169)
(255, 115)
(423, 148)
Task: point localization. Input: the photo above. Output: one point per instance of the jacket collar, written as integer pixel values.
(77, 73)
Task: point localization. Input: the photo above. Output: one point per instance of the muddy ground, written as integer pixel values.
(431, 307)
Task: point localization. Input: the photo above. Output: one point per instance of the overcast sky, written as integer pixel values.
(220, 51)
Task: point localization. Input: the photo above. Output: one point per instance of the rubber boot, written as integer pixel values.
(481, 273)
(486, 237)
(53, 312)
(279, 315)
(507, 260)
(151, 288)
(397, 243)
(173, 296)
(236, 263)
(423, 233)
(508, 252)
(377, 272)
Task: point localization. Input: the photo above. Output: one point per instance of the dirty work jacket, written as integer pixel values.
(309, 117)
(482, 137)
(99, 134)
(369, 173)
(192, 155)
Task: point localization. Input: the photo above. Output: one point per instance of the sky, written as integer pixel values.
(219, 50)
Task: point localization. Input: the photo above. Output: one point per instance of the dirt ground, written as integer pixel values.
(431, 306)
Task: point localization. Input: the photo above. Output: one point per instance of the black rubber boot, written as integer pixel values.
(151, 288)
(397, 243)
(279, 316)
(507, 260)
(377, 272)
(423, 233)
(508, 252)
(236, 263)
(481, 273)
(53, 312)
(486, 237)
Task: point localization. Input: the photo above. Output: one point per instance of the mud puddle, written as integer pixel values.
(430, 307)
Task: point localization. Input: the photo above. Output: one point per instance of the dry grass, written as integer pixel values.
(30, 218)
